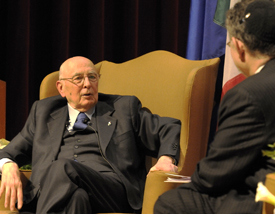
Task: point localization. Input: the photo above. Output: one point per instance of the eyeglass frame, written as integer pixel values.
(229, 43)
(70, 79)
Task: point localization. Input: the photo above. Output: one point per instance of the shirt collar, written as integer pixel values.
(259, 69)
(73, 113)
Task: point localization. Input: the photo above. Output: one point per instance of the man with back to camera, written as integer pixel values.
(87, 149)
(225, 181)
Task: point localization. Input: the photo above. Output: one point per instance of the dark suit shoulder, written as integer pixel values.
(256, 93)
(51, 103)
(260, 86)
(260, 82)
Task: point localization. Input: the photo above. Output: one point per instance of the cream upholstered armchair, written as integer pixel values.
(168, 85)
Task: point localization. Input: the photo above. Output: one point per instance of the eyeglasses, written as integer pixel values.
(79, 79)
(228, 43)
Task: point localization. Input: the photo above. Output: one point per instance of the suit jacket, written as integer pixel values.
(133, 133)
(235, 164)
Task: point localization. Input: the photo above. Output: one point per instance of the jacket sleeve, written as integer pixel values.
(20, 148)
(158, 135)
(235, 153)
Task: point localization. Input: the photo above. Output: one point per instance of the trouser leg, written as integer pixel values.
(184, 201)
(64, 177)
(79, 203)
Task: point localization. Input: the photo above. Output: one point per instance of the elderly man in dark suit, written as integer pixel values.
(87, 149)
(225, 181)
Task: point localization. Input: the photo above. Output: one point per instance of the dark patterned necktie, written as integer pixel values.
(81, 122)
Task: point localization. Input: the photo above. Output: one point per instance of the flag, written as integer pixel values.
(231, 75)
(206, 39)
(220, 13)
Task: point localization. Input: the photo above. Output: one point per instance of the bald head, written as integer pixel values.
(74, 63)
(78, 82)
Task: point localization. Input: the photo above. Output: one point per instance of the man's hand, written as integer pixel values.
(165, 163)
(11, 185)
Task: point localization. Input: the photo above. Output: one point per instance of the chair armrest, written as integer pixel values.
(8, 212)
(270, 185)
(154, 187)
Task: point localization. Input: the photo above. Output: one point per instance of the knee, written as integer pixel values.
(59, 168)
(79, 202)
(80, 195)
(164, 203)
(61, 165)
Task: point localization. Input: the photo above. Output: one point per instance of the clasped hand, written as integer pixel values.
(11, 185)
(164, 163)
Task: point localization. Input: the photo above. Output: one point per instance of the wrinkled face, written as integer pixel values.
(80, 95)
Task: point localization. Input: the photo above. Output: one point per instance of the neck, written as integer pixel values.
(255, 62)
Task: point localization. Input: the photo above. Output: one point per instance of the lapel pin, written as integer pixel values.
(109, 123)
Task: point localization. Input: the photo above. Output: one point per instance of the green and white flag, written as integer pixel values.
(220, 13)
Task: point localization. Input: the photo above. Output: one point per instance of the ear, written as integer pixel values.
(239, 48)
(60, 88)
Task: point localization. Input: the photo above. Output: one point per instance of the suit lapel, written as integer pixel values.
(106, 124)
(56, 128)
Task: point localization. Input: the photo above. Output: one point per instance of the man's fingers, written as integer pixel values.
(175, 168)
(13, 193)
(19, 198)
(2, 188)
(7, 197)
(11, 185)
(13, 199)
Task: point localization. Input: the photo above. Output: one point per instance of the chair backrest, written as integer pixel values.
(2, 109)
(168, 85)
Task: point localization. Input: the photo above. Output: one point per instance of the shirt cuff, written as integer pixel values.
(3, 161)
